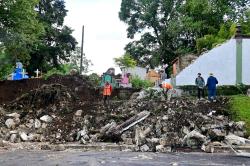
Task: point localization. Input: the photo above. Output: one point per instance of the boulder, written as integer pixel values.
(46, 118)
(194, 139)
(10, 123)
(163, 149)
(23, 136)
(144, 148)
(236, 140)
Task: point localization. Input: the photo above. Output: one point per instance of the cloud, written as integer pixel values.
(105, 35)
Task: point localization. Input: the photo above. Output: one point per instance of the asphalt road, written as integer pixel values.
(49, 158)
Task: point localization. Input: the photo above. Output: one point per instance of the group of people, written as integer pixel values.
(211, 86)
(199, 82)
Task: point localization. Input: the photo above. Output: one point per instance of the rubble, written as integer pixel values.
(151, 121)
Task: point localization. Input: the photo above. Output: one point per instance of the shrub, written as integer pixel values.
(139, 83)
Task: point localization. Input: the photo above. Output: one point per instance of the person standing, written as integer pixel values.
(200, 83)
(107, 90)
(211, 85)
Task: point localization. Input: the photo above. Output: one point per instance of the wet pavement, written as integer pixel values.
(50, 158)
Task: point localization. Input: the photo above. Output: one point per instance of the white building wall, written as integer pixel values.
(136, 71)
(246, 61)
(221, 61)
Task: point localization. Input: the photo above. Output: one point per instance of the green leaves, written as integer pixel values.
(170, 28)
(125, 61)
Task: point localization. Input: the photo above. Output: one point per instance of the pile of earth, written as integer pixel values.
(52, 113)
(80, 85)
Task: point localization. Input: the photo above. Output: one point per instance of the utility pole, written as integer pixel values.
(81, 67)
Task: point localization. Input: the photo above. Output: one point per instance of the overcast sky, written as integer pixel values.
(105, 34)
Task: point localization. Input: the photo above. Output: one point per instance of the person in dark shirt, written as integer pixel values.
(200, 83)
(211, 85)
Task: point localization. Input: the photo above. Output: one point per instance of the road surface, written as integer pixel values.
(72, 158)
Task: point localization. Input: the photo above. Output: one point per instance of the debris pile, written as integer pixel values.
(53, 114)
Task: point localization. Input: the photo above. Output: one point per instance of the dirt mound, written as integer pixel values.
(80, 85)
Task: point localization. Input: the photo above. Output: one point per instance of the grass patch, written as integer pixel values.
(240, 107)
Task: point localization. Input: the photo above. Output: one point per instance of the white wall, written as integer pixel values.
(221, 61)
(246, 62)
(136, 71)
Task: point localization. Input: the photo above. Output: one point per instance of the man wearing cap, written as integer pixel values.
(200, 83)
(211, 85)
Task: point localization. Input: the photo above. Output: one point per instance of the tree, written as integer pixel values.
(169, 28)
(75, 60)
(125, 61)
(57, 43)
(19, 28)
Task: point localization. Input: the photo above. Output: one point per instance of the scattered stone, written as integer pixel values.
(37, 123)
(248, 92)
(46, 147)
(163, 149)
(216, 135)
(207, 148)
(194, 139)
(13, 138)
(23, 136)
(13, 115)
(10, 123)
(144, 148)
(78, 113)
(46, 118)
(236, 140)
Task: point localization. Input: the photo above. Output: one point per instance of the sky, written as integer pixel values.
(105, 35)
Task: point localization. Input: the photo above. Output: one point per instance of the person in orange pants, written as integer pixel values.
(107, 90)
(166, 86)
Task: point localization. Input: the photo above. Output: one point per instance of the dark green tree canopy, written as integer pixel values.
(168, 28)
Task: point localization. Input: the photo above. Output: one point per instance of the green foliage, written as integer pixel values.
(20, 28)
(125, 61)
(64, 69)
(57, 43)
(225, 90)
(208, 42)
(95, 79)
(240, 106)
(169, 28)
(6, 66)
(139, 83)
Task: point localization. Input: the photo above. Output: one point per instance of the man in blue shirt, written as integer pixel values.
(211, 85)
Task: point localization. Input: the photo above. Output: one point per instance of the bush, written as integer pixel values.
(139, 83)
(225, 90)
(62, 70)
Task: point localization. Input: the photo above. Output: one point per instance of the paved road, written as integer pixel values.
(48, 158)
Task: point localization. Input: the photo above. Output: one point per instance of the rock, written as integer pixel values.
(1, 143)
(59, 148)
(46, 118)
(239, 133)
(207, 148)
(78, 113)
(13, 138)
(13, 115)
(144, 148)
(163, 149)
(44, 125)
(216, 134)
(128, 141)
(38, 124)
(163, 141)
(240, 125)
(194, 139)
(23, 136)
(83, 141)
(46, 147)
(82, 134)
(248, 92)
(10, 123)
(236, 140)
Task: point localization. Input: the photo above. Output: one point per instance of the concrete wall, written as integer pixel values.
(221, 61)
(136, 71)
(246, 61)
